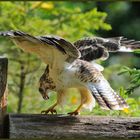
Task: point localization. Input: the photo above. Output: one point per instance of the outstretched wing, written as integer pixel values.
(51, 49)
(91, 49)
(98, 47)
(99, 87)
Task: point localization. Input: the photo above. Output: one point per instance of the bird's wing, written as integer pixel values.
(97, 66)
(48, 48)
(91, 49)
(99, 86)
(128, 45)
(106, 97)
(99, 48)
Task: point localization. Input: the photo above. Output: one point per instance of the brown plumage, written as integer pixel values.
(68, 66)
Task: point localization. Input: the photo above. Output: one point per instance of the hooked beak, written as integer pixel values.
(44, 94)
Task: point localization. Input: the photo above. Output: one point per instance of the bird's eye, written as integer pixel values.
(40, 90)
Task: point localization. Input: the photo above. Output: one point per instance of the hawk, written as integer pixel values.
(69, 65)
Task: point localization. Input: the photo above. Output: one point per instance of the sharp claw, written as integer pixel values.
(44, 112)
(52, 111)
(74, 113)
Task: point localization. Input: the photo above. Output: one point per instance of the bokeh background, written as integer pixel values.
(72, 21)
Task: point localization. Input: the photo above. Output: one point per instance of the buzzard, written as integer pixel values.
(71, 65)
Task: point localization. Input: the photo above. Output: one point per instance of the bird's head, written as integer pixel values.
(45, 84)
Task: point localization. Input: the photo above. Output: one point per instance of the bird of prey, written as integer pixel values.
(69, 66)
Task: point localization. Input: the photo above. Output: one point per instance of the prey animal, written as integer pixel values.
(70, 65)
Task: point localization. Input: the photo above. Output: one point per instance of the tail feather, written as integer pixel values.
(106, 96)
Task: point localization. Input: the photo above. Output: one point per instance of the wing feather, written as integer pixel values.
(63, 45)
(113, 100)
(48, 48)
(92, 48)
(99, 86)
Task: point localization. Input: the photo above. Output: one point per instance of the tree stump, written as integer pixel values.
(3, 91)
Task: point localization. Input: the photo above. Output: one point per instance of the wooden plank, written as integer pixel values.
(72, 127)
(3, 91)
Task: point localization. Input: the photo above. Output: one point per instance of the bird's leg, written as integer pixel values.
(60, 99)
(77, 111)
(86, 98)
(50, 109)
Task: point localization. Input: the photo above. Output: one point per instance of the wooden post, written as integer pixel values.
(57, 127)
(3, 91)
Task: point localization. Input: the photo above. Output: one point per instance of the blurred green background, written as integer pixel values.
(72, 21)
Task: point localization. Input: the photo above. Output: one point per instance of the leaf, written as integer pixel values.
(137, 51)
(36, 4)
(47, 6)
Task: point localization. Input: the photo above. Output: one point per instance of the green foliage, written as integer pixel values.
(133, 85)
(135, 78)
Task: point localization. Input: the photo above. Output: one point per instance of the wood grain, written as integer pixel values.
(3, 91)
(71, 127)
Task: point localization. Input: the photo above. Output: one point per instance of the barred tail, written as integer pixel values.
(106, 96)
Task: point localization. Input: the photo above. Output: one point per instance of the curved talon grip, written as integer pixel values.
(43, 112)
(74, 113)
(52, 111)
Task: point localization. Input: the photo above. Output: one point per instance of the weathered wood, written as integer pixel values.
(3, 91)
(71, 127)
